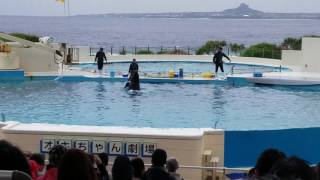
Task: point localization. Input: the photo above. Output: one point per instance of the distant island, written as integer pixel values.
(241, 12)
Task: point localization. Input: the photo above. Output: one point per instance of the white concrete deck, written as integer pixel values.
(283, 78)
(300, 75)
(62, 129)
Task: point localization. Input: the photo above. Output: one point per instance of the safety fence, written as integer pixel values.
(185, 50)
(213, 172)
(122, 50)
(254, 68)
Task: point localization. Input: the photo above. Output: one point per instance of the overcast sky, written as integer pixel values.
(53, 8)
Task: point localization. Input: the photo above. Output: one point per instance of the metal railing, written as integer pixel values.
(185, 50)
(261, 52)
(252, 69)
(123, 50)
(216, 171)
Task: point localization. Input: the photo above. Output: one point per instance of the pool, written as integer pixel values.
(188, 67)
(160, 105)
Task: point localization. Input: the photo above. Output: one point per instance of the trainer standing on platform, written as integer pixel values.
(134, 75)
(217, 59)
(100, 58)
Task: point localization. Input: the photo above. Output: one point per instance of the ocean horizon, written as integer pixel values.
(99, 31)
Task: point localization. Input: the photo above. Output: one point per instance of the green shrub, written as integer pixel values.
(2, 40)
(123, 51)
(312, 35)
(263, 50)
(291, 43)
(210, 47)
(234, 47)
(145, 52)
(28, 37)
(175, 52)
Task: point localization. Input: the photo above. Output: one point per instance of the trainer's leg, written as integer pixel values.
(217, 66)
(100, 67)
(221, 67)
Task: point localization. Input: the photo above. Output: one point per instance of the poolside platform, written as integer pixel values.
(79, 75)
(278, 78)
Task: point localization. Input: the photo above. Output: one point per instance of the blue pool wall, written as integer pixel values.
(242, 148)
(12, 74)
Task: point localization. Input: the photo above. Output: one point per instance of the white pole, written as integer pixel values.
(64, 8)
(68, 7)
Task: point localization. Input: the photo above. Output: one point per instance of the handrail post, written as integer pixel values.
(3, 117)
(272, 54)
(123, 51)
(232, 70)
(111, 49)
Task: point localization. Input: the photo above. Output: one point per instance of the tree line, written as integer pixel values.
(263, 50)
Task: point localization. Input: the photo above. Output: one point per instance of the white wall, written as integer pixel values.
(9, 61)
(35, 60)
(311, 54)
(293, 59)
(306, 60)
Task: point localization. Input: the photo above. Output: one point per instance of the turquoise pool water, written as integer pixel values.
(188, 67)
(160, 105)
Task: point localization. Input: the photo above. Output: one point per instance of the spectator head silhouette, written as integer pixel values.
(75, 164)
(159, 157)
(12, 158)
(267, 159)
(122, 169)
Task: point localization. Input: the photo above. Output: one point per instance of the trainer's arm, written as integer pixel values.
(105, 58)
(214, 58)
(226, 57)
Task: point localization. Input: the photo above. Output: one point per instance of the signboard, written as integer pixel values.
(100, 146)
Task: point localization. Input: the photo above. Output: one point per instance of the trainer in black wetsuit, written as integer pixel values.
(217, 59)
(134, 82)
(100, 57)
